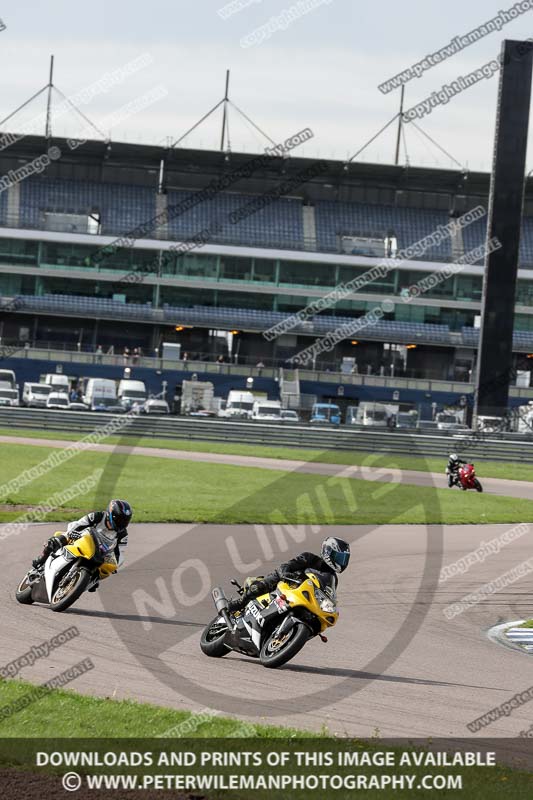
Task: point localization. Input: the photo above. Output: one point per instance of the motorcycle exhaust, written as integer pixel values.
(221, 605)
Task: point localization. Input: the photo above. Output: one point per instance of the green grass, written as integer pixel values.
(527, 624)
(73, 717)
(68, 714)
(163, 490)
(487, 469)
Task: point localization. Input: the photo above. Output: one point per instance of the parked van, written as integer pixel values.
(239, 404)
(58, 382)
(35, 395)
(267, 410)
(100, 394)
(372, 415)
(9, 395)
(57, 400)
(131, 393)
(446, 420)
(8, 376)
(324, 413)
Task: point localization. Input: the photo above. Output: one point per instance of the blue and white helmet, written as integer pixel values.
(336, 553)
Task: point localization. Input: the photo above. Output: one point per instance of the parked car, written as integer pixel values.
(156, 406)
(288, 415)
(77, 407)
(57, 400)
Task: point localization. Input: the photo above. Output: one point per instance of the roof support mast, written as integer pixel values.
(48, 130)
(224, 115)
(400, 123)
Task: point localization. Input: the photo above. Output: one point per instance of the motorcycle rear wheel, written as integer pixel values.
(23, 593)
(78, 585)
(211, 642)
(276, 653)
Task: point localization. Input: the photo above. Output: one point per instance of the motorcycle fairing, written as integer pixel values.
(52, 566)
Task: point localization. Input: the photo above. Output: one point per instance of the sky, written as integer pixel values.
(321, 72)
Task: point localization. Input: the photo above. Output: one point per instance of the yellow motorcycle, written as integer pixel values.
(66, 574)
(275, 626)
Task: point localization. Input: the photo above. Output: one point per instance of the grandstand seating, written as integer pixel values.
(521, 339)
(256, 320)
(121, 206)
(279, 223)
(408, 225)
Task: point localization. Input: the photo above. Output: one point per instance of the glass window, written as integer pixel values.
(232, 268)
(469, 287)
(18, 251)
(524, 292)
(264, 270)
(183, 296)
(299, 273)
(197, 266)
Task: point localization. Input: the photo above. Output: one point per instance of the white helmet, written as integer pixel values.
(336, 553)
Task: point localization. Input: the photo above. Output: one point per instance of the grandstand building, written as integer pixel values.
(119, 245)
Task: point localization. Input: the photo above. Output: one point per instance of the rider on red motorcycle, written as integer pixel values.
(452, 468)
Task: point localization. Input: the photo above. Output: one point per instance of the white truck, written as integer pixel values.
(9, 395)
(58, 382)
(447, 420)
(197, 397)
(131, 393)
(373, 415)
(100, 394)
(267, 410)
(35, 395)
(239, 404)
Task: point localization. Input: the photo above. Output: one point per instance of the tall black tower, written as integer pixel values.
(506, 199)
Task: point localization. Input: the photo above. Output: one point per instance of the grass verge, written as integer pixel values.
(163, 490)
(487, 469)
(70, 716)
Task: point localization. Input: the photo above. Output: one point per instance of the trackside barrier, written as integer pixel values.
(496, 448)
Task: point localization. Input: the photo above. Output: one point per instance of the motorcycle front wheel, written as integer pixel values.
(70, 589)
(478, 487)
(277, 650)
(212, 641)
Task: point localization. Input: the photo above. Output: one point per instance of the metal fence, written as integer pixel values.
(499, 447)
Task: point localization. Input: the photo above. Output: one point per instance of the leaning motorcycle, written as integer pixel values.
(66, 574)
(466, 478)
(274, 626)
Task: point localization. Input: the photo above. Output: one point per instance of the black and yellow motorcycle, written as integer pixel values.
(275, 626)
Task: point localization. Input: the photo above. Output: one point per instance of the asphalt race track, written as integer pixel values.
(439, 674)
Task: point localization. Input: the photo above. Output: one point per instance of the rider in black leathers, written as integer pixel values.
(334, 557)
(110, 527)
(452, 468)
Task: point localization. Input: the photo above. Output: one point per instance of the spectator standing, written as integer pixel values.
(99, 353)
(126, 355)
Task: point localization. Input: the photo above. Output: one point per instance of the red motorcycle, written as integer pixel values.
(467, 478)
